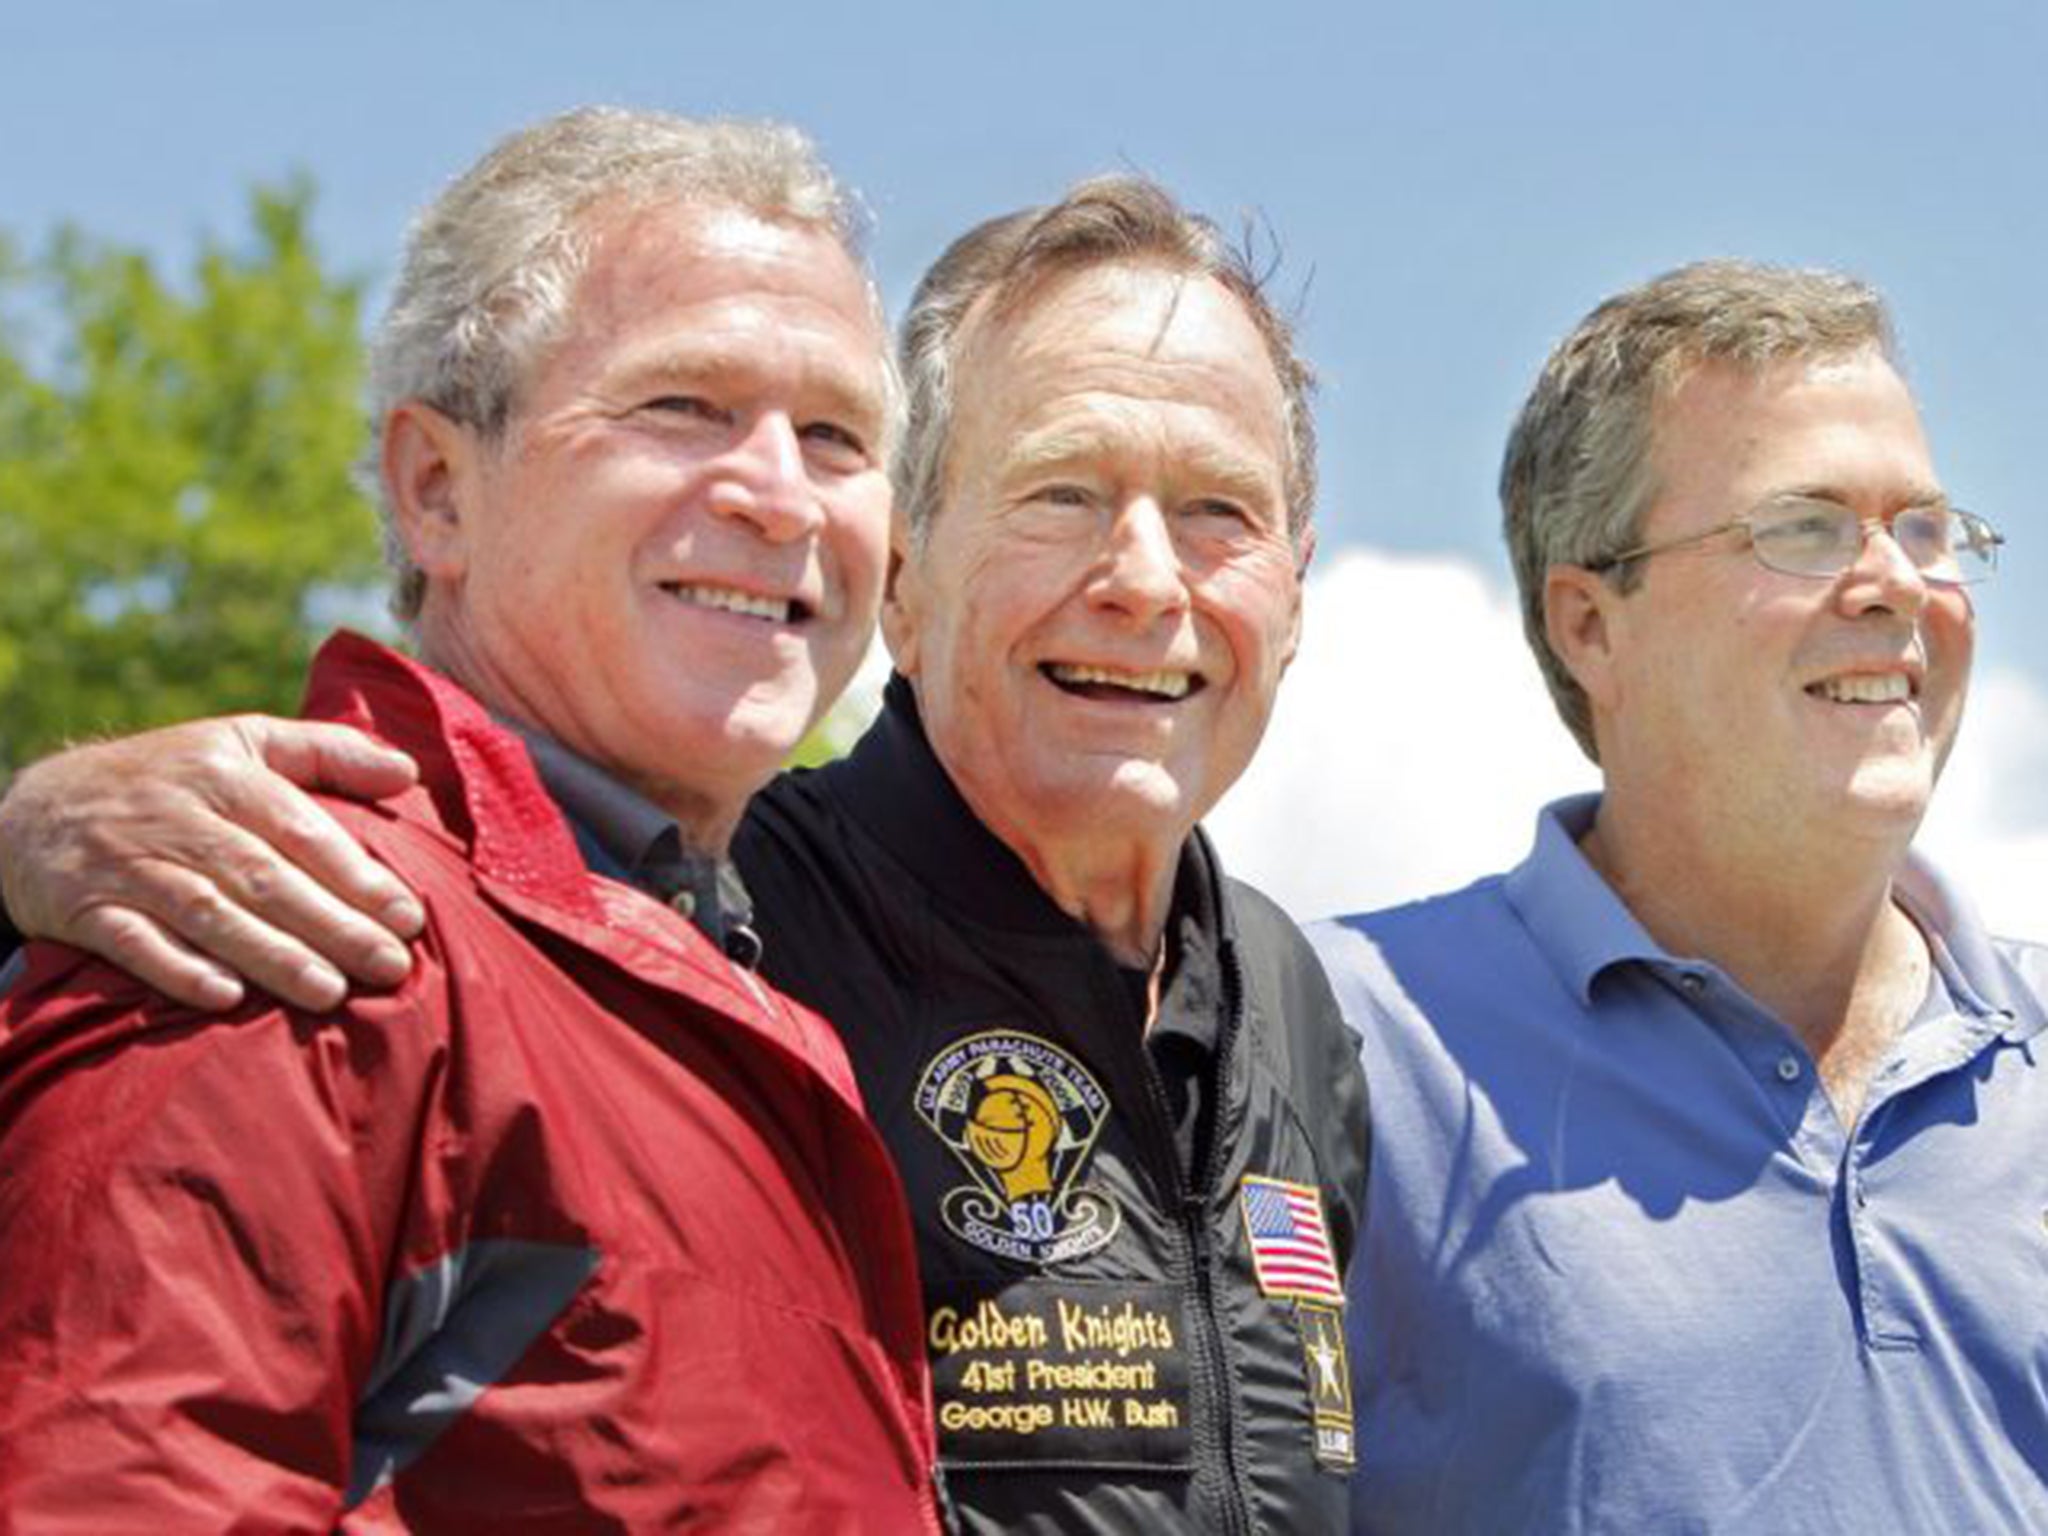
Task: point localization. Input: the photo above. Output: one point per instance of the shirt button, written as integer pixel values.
(1788, 1069)
(1692, 982)
(684, 902)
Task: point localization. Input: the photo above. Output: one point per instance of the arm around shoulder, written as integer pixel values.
(192, 856)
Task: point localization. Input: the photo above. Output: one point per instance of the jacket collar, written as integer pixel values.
(479, 788)
(481, 782)
(894, 785)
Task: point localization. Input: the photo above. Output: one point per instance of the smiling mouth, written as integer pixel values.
(1165, 684)
(777, 610)
(1866, 688)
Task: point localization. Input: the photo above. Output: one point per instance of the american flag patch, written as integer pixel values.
(1290, 1244)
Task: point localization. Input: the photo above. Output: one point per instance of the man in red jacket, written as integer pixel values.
(581, 1226)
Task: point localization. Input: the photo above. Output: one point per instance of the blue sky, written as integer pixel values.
(1450, 186)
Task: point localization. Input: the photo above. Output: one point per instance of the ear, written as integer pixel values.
(1581, 620)
(431, 464)
(1305, 554)
(902, 598)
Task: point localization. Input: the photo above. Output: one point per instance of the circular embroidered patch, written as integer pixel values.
(1022, 1116)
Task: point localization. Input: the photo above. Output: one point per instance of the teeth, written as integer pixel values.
(1165, 684)
(1866, 688)
(729, 601)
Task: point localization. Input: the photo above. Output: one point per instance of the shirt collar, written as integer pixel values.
(1572, 913)
(1962, 948)
(1583, 927)
(626, 836)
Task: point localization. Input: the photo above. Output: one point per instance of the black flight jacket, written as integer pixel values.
(1121, 1344)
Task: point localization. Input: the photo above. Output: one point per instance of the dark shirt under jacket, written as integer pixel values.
(627, 837)
(11, 962)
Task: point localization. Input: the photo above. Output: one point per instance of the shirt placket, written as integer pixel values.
(1838, 1159)
(1929, 1050)
(1771, 1056)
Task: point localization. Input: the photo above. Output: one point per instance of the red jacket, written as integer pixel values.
(583, 1228)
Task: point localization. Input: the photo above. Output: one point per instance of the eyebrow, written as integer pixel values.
(1223, 471)
(1053, 448)
(1920, 496)
(823, 384)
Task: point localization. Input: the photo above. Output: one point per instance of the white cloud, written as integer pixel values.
(1989, 824)
(1411, 747)
(1414, 742)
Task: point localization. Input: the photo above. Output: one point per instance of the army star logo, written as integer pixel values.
(1329, 1383)
(1327, 1356)
(1022, 1116)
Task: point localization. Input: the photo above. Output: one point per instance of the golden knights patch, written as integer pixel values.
(1022, 1116)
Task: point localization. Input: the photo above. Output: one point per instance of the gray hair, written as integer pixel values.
(1109, 220)
(491, 265)
(1577, 479)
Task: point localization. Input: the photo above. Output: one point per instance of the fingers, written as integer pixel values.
(185, 839)
(138, 946)
(336, 758)
(261, 896)
(301, 870)
(198, 941)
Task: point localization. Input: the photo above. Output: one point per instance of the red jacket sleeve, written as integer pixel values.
(197, 1218)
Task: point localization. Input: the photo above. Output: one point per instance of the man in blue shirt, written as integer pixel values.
(1707, 1189)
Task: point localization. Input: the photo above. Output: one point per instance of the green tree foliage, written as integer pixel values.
(176, 516)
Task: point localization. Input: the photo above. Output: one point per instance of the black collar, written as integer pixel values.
(625, 836)
(894, 785)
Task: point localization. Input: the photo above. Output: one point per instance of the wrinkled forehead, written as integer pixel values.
(1684, 374)
(1133, 330)
(1138, 327)
(631, 253)
(709, 288)
(1032, 311)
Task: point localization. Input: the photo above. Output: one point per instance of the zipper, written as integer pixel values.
(943, 1508)
(1240, 1503)
(1235, 1500)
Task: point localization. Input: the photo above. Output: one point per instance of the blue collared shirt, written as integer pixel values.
(1624, 1268)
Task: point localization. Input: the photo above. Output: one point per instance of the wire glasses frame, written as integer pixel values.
(1809, 536)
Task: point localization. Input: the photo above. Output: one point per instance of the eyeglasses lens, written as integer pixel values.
(1824, 539)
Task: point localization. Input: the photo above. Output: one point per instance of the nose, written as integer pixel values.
(1140, 574)
(1883, 576)
(762, 479)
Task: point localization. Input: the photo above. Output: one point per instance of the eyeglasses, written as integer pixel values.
(1806, 536)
